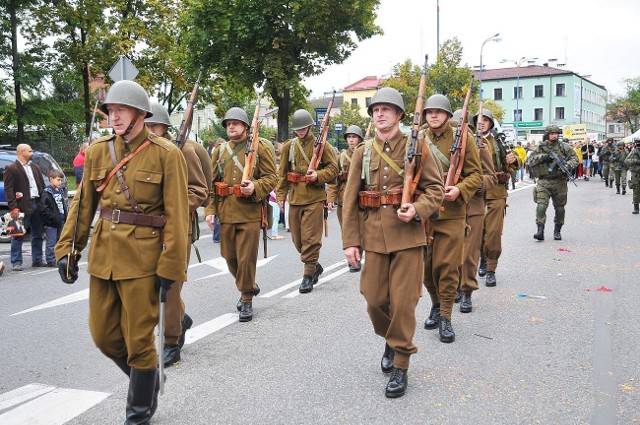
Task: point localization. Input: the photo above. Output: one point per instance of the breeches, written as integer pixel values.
(493, 226)
(472, 244)
(306, 223)
(239, 246)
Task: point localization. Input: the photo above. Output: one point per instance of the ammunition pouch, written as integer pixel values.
(223, 189)
(296, 178)
(503, 178)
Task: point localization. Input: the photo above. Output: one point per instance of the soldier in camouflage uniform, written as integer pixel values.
(619, 167)
(633, 162)
(605, 158)
(552, 182)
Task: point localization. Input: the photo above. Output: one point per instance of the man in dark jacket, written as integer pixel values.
(23, 186)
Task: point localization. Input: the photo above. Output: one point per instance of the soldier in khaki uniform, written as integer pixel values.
(445, 254)
(238, 204)
(138, 245)
(307, 195)
(475, 220)
(504, 164)
(392, 235)
(335, 192)
(177, 322)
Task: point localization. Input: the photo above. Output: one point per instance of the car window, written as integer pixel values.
(4, 163)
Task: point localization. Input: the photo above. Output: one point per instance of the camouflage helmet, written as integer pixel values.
(485, 113)
(552, 129)
(129, 93)
(237, 114)
(387, 95)
(353, 129)
(438, 101)
(302, 119)
(610, 140)
(621, 144)
(160, 115)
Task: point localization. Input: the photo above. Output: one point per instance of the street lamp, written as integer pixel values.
(496, 38)
(518, 63)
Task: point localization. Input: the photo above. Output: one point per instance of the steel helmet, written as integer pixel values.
(552, 129)
(621, 144)
(236, 113)
(302, 119)
(486, 113)
(387, 95)
(457, 114)
(438, 101)
(160, 115)
(354, 129)
(129, 93)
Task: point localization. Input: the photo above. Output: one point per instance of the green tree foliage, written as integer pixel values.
(448, 77)
(496, 109)
(626, 108)
(277, 41)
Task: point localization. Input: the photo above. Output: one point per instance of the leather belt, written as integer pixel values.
(119, 216)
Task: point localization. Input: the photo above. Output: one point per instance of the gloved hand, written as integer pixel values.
(68, 268)
(163, 285)
(15, 213)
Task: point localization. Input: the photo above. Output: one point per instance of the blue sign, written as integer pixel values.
(320, 113)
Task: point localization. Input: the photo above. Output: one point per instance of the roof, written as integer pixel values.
(324, 101)
(367, 83)
(524, 72)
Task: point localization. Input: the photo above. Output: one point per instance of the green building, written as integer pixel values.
(535, 96)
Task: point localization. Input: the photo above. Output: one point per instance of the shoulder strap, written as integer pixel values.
(233, 155)
(304, 154)
(388, 160)
(123, 183)
(436, 152)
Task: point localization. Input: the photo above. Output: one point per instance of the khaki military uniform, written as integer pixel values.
(496, 200)
(391, 277)
(306, 200)
(124, 259)
(444, 256)
(241, 217)
(335, 192)
(198, 186)
(475, 222)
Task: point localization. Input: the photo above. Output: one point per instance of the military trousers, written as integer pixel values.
(493, 226)
(634, 184)
(307, 223)
(339, 214)
(122, 318)
(443, 259)
(174, 310)
(239, 244)
(620, 177)
(472, 247)
(606, 169)
(554, 189)
(391, 285)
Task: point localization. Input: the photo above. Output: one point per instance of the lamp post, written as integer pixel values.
(518, 63)
(496, 38)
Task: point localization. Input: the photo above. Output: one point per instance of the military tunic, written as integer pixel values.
(335, 192)
(391, 279)
(306, 200)
(124, 259)
(240, 217)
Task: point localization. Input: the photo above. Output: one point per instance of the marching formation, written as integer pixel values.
(425, 209)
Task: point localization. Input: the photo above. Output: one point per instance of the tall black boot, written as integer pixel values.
(121, 362)
(611, 183)
(540, 235)
(636, 209)
(556, 232)
(142, 393)
(624, 190)
(617, 189)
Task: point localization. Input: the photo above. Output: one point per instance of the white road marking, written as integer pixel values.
(53, 407)
(210, 327)
(320, 281)
(22, 394)
(297, 282)
(221, 264)
(75, 297)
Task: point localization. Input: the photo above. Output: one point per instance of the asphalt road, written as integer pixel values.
(556, 342)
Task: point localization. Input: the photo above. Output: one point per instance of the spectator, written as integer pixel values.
(23, 186)
(522, 154)
(78, 162)
(273, 201)
(54, 213)
(587, 150)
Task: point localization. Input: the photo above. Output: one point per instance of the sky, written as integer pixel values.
(592, 37)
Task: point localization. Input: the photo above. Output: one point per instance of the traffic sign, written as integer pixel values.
(524, 124)
(320, 113)
(123, 69)
(338, 127)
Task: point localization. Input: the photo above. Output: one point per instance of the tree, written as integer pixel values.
(406, 79)
(626, 108)
(274, 41)
(496, 109)
(447, 77)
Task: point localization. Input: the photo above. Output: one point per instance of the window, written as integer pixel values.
(354, 101)
(560, 90)
(537, 114)
(517, 115)
(367, 101)
(560, 112)
(517, 92)
(538, 91)
(497, 94)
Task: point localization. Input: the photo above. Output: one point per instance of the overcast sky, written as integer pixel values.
(593, 37)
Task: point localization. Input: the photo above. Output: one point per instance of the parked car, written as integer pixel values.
(8, 156)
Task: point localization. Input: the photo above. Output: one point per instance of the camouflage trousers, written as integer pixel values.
(621, 177)
(634, 184)
(606, 170)
(554, 189)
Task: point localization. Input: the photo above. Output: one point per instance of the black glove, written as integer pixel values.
(68, 268)
(163, 285)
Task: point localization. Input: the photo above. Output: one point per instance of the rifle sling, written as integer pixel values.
(118, 173)
(304, 155)
(119, 165)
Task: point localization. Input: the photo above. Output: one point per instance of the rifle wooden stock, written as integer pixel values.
(414, 153)
(459, 146)
(251, 150)
(187, 119)
(318, 146)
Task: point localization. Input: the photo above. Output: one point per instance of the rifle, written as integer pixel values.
(321, 140)
(187, 119)
(459, 146)
(367, 134)
(414, 152)
(561, 165)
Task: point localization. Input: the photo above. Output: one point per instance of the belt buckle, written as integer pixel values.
(115, 218)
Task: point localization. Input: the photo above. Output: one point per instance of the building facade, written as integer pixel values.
(535, 96)
(361, 92)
